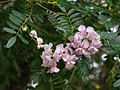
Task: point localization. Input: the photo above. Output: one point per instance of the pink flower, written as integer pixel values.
(48, 59)
(47, 49)
(58, 53)
(69, 60)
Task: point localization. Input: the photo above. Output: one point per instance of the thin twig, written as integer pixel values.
(3, 2)
(110, 72)
(49, 9)
(51, 84)
(24, 22)
(72, 74)
(45, 8)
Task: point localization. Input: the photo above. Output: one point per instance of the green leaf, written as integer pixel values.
(107, 35)
(61, 29)
(63, 21)
(17, 68)
(64, 24)
(39, 18)
(18, 14)
(11, 42)
(75, 19)
(9, 30)
(75, 15)
(115, 44)
(117, 83)
(71, 11)
(83, 67)
(112, 52)
(61, 18)
(103, 18)
(15, 20)
(62, 8)
(13, 26)
(23, 39)
(0, 46)
(107, 20)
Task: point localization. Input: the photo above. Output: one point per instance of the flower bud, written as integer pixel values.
(39, 42)
(24, 28)
(33, 34)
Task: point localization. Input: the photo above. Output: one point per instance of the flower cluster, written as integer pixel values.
(50, 59)
(85, 42)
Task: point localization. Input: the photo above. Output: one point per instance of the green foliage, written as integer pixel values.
(16, 23)
(65, 22)
(84, 68)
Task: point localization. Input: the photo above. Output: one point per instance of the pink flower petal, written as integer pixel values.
(96, 42)
(53, 70)
(69, 66)
(71, 38)
(92, 49)
(85, 43)
(85, 52)
(81, 28)
(58, 52)
(79, 51)
(78, 36)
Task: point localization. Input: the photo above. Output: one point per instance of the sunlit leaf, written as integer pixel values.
(11, 42)
(9, 30)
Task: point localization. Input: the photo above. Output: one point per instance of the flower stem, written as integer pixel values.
(72, 74)
(51, 84)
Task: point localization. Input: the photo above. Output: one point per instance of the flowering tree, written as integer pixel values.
(59, 45)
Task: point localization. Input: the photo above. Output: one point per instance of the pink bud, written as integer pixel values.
(81, 28)
(33, 34)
